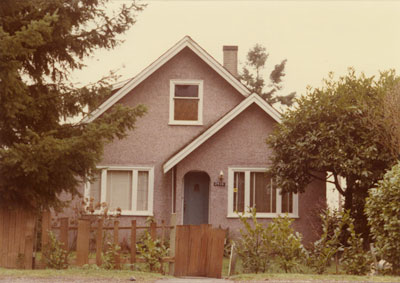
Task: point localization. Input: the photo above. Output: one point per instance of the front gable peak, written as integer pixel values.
(186, 41)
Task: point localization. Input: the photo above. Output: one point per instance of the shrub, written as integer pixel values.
(109, 256)
(252, 247)
(152, 251)
(260, 245)
(284, 244)
(383, 212)
(54, 254)
(328, 245)
(335, 227)
(354, 259)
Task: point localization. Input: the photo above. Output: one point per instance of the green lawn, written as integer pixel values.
(92, 271)
(304, 274)
(75, 272)
(316, 277)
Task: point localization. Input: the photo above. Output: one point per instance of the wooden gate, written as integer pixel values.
(199, 250)
(16, 238)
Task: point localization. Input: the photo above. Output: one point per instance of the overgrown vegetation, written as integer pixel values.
(354, 260)
(109, 256)
(285, 244)
(55, 254)
(152, 251)
(324, 249)
(259, 245)
(383, 211)
(252, 247)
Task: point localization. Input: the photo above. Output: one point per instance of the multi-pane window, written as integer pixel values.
(253, 188)
(186, 102)
(129, 189)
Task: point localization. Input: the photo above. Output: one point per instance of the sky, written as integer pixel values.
(316, 37)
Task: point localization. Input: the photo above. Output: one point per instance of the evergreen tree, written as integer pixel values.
(41, 42)
(251, 76)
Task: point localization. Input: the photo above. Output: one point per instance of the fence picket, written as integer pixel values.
(64, 232)
(133, 242)
(99, 241)
(29, 240)
(116, 242)
(153, 227)
(82, 246)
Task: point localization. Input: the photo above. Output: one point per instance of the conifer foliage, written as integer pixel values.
(252, 77)
(41, 42)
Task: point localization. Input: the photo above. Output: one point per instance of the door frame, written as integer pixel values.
(183, 194)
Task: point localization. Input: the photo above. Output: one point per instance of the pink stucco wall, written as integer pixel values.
(154, 141)
(240, 143)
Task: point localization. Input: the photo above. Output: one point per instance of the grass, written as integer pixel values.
(93, 272)
(305, 275)
(80, 272)
(316, 277)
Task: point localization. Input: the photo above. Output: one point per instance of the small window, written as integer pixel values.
(186, 102)
(253, 188)
(128, 189)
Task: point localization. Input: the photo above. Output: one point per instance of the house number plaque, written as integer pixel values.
(219, 184)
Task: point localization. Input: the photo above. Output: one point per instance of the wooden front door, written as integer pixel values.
(195, 206)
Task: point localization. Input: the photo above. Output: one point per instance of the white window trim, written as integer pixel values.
(172, 121)
(134, 170)
(247, 171)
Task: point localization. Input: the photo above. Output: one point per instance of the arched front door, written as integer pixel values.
(195, 206)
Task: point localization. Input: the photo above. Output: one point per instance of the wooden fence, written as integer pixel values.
(199, 251)
(84, 229)
(16, 238)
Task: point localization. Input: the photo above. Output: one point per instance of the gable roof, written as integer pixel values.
(187, 41)
(185, 151)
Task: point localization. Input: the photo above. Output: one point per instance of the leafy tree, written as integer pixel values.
(251, 76)
(383, 211)
(41, 42)
(330, 131)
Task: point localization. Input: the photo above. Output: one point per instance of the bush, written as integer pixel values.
(284, 244)
(383, 212)
(336, 227)
(328, 245)
(260, 245)
(354, 259)
(54, 254)
(109, 256)
(252, 248)
(152, 251)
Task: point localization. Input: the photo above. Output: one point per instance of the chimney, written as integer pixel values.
(230, 59)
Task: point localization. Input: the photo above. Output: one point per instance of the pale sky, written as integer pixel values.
(316, 37)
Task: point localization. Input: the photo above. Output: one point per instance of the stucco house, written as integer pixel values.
(200, 151)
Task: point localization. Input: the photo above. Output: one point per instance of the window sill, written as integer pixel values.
(185, 123)
(263, 215)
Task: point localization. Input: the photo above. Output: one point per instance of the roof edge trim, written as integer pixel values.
(254, 98)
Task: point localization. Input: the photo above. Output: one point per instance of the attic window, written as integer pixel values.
(186, 102)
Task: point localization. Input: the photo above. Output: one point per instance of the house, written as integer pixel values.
(200, 151)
